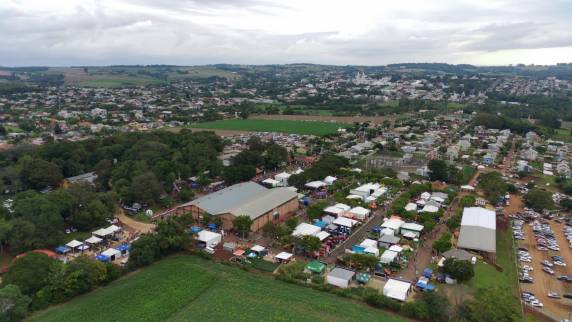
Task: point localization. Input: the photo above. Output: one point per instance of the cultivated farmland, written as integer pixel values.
(188, 288)
(282, 126)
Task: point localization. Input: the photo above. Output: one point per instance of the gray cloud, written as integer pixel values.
(201, 32)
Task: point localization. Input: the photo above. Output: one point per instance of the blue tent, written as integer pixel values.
(427, 272)
(320, 223)
(358, 249)
(376, 229)
(430, 288)
(212, 226)
(195, 229)
(122, 248)
(62, 249)
(102, 258)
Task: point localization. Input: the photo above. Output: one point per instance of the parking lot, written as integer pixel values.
(549, 251)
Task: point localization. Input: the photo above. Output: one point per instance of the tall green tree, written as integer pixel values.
(242, 224)
(13, 304)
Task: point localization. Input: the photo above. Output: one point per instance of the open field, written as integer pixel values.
(283, 126)
(188, 288)
(324, 118)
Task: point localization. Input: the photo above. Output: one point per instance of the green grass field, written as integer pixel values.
(186, 288)
(487, 276)
(298, 127)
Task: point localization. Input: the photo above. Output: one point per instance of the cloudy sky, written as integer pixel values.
(194, 32)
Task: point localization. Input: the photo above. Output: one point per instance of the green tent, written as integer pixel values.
(316, 267)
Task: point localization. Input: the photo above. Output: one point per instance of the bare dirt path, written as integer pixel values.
(134, 225)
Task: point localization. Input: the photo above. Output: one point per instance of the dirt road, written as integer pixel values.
(134, 225)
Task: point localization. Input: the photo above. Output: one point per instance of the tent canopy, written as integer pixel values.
(111, 252)
(388, 256)
(305, 229)
(283, 256)
(396, 289)
(62, 249)
(346, 222)
(74, 243)
(93, 240)
(316, 266)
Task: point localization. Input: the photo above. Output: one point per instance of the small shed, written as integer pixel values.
(387, 241)
(340, 277)
(397, 289)
(360, 212)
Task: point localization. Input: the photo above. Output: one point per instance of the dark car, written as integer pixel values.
(567, 295)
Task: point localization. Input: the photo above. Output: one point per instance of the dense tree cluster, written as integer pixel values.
(539, 200)
(258, 155)
(440, 171)
(493, 186)
(35, 281)
(139, 167)
(170, 236)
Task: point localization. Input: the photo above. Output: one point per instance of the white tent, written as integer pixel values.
(411, 207)
(102, 232)
(93, 240)
(430, 208)
(334, 210)
(315, 184)
(305, 229)
(360, 212)
(467, 188)
(282, 178)
(211, 239)
(113, 229)
(283, 256)
(353, 197)
(271, 182)
(388, 256)
(329, 180)
(346, 222)
(258, 248)
(322, 235)
(396, 248)
(368, 243)
(112, 253)
(396, 289)
(438, 199)
(425, 196)
(342, 206)
(393, 223)
(372, 250)
(74, 244)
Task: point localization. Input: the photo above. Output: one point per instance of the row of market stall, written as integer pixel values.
(99, 236)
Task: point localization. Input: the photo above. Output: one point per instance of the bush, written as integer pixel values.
(461, 270)
(443, 244)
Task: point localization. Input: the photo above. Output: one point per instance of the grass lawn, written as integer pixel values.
(186, 288)
(298, 127)
(487, 276)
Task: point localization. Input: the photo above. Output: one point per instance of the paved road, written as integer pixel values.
(355, 238)
(359, 235)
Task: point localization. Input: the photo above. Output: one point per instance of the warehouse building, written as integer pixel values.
(261, 204)
(478, 230)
